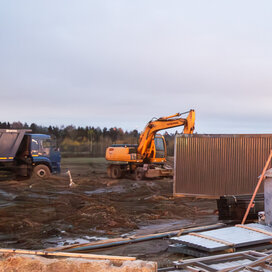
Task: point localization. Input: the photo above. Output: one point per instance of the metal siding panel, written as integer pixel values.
(224, 238)
(219, 164)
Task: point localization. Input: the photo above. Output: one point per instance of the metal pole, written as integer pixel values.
(254, 263)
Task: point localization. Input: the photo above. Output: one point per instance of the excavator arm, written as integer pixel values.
(164, 123)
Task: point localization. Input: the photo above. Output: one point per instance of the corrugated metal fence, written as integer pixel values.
(216, 165)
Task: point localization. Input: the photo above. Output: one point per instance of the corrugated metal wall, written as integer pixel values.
(219, 164)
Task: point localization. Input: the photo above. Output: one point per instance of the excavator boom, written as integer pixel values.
(165, 123)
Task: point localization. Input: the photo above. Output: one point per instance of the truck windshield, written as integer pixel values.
(46, 143)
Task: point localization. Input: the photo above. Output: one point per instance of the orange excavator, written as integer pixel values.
(147, 159)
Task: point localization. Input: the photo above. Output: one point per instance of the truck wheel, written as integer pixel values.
(116, 172)
(41, 171)
(139, 173)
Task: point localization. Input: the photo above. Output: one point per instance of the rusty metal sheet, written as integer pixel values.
(215, 165)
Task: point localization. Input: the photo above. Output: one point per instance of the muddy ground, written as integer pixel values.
(37, 214)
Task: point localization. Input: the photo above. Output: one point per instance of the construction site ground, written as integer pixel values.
(40, 214)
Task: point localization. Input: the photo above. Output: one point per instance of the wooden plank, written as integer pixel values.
(253, 229)
(66, 254)
(212, 239)
(200, 196)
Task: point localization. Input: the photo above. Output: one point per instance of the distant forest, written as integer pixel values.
(87, 141)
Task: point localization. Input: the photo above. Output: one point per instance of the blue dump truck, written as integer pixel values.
(27, 154)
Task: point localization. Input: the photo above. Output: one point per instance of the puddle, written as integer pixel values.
(95, 238)
(7, 237)
(113, 189)
(34, 195)
(7, 195)
(59, 241)
(64, 192)
(6, 198)
(6, 204)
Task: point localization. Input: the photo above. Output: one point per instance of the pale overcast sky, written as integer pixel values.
(120, 63)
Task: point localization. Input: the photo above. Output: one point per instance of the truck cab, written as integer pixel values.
(44, 151)
(25, 153)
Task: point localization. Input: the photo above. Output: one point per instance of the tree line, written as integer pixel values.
(86, 141)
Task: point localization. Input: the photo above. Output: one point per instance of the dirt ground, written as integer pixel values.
(37, 214)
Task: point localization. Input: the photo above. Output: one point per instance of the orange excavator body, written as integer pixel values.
(152, 146)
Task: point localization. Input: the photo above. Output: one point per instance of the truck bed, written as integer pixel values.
(10, 140)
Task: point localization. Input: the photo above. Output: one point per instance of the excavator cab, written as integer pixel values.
(157, 151)
(160, 146)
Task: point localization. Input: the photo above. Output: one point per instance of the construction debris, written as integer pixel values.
(71, 184)
(233, 207)
(242, 261)
(87, 247)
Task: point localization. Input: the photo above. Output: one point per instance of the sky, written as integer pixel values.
(120, 63)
